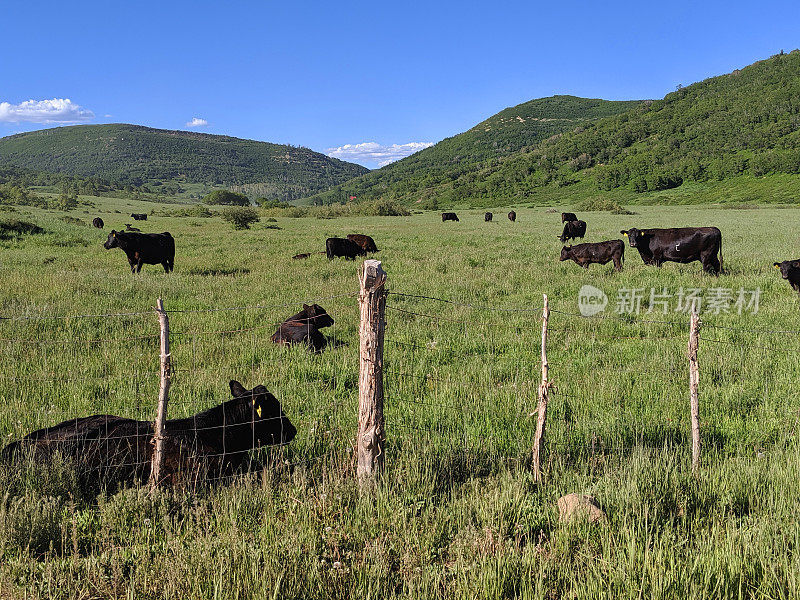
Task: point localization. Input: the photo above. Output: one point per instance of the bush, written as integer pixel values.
(13, 228)
(226, 197)
(240, 216)
(271, 203)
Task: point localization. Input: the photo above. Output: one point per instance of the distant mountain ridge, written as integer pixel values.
(137, 155)
(501, 135)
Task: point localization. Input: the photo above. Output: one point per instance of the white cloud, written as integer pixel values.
(372, 152)
(57, 110)
(197, 122)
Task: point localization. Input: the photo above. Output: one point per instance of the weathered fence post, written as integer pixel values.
(371, 430)
(544, 390)
(157, 463)
(694, 384)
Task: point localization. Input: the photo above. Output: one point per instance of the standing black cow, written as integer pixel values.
(115, 450)
(139, 216)
(98, 222)
(366, 242)
(144, 248)
(449, 216)
(680, 245)
(487, 217)
(343, 247)
(790, 271)
(565, 217)
(573, 230)
(599, 253)
(303, 328)
(512, 216)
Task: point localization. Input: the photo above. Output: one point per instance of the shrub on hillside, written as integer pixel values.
(271, 203)
(226, 197)
(240, 216)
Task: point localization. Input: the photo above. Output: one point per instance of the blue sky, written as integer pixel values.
(374, 79)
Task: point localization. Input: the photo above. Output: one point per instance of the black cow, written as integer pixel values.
(790, 271)
(144, 248)
(303, 328)
(565, 217)
(487, 217)
(129, 227)
(512, 216)
(139, 216)
(599, 253)
(449, 217)
(343, 247)
(112, 450)
(98, 222)
(680, 245)
(366, 242)
(573, 230)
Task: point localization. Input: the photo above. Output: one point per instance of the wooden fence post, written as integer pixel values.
(544, 390)
(371, 429)
(157, 462)
(694, 384)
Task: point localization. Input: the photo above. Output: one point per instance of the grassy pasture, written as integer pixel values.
(458, 515)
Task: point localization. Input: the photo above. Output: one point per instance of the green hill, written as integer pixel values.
(139, 156)
(501, 135)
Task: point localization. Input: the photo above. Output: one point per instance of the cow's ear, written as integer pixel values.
(306, 307)
(237, 389)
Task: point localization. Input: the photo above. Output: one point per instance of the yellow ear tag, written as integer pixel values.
(776, 266)
(625, 234)
(258, 409)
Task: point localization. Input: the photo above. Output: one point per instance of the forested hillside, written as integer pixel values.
(131, 155)
(501, 135)
(743, 123)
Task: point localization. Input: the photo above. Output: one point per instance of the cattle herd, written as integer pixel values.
(218, 441)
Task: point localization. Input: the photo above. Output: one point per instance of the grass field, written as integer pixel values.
(458, 514)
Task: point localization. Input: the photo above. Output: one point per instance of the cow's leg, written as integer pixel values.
(132, 263)
(166, 267)
(139, 266)
(711, 264)
(617, 264)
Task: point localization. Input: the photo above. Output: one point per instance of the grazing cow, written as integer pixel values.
(449, 217)
(366, 242)
(343, 247)
(512, 216)
(573, 230)
(139, 216)
(129, 227)
(144, 248)
(303, 328)
(790, 271)
(98, 222)
(599, 253)
(112, 450)
(680, 245)
(565, 217)
(487, 217)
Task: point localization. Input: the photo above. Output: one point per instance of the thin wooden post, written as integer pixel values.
(544, 390)
(157, 463)
(371, 428)
(694, 385)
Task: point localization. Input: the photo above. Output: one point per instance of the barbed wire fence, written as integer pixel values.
(470, 384)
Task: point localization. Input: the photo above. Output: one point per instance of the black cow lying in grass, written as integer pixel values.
(512, 216)
(366, 242)
(573, 230)
(790, 271)
(303, 328)
(98, 222)
(343, 247)
(139, 216)
(112, 450)
(599, 253)
(144, 248)
(487, 217)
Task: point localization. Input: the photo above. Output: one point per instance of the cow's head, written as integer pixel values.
(112, 241)
(789, 267)
(317, 316)
(565, 234)
(566, 253)
(256, 419)
(632, 235)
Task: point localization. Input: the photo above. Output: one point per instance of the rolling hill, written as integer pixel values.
(501, 135)
(135, 155)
